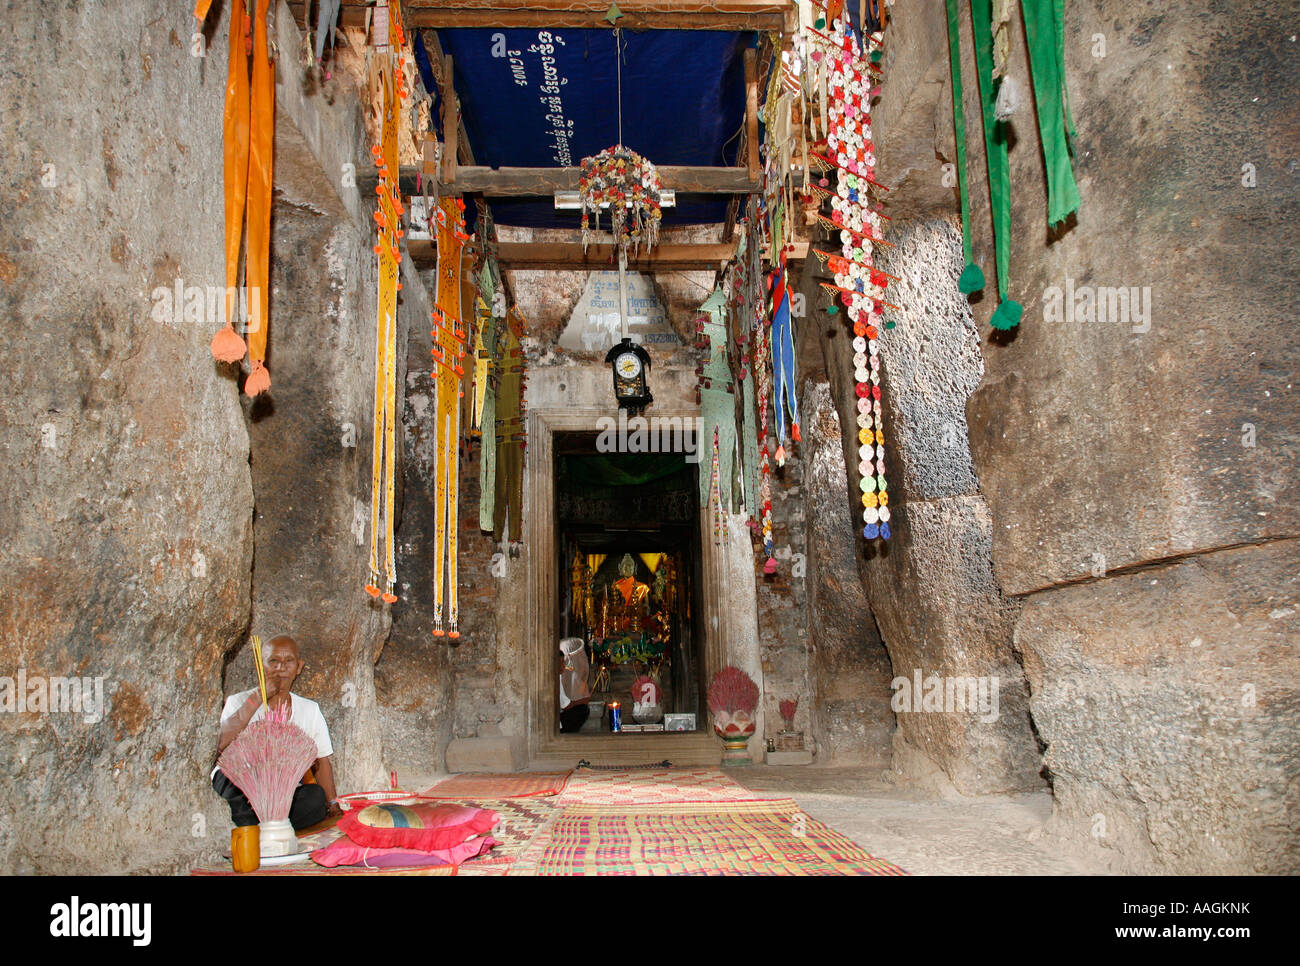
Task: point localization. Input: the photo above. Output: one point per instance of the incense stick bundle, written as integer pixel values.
(261, 668)
(266, 761)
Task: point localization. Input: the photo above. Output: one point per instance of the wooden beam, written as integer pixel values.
(450, 122)
(542, 182)
(464, 155)
(569, 257)
(751, 112)
(768, 16)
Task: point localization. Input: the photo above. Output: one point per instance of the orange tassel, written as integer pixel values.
(794, 431)
(389, 598)
(439, 632)
(372, 590)
(258, 381)
(453, 634)
(227, 346)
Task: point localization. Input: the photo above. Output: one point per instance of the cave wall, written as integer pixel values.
(1139, 469)
(126, 504)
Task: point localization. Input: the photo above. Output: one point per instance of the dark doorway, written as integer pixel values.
(629, 565)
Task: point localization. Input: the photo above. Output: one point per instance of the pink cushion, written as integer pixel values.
(346, 852)
(424, 827)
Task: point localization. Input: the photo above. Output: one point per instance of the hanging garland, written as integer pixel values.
(449, 348)
(628, 185)
(387, 76)
(860, 287)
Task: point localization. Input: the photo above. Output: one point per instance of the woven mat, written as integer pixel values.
(488, 786)
(772, 837)
(652, 786)
(521, 820)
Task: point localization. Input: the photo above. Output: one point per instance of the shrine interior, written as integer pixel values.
(875, 404)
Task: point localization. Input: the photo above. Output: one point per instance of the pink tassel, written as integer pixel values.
(258, 381)
(227, 346)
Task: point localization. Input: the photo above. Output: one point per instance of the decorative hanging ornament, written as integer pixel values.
(628, 185)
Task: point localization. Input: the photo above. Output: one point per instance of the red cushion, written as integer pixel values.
(346, 852)
(425, 827)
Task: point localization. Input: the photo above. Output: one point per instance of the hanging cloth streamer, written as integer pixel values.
(1045, 34)
(784, 366)
(509, 483)
(1007, 314)
(449, 353)
(260, 162)
(386, 75)
(227, 346)
(972, 277)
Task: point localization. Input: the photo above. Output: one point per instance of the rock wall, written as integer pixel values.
(848, 667)
(1139, 462)
(126, 503)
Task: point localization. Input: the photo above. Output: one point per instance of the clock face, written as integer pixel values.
(627, 365)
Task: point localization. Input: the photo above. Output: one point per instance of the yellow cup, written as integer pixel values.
(245, 848)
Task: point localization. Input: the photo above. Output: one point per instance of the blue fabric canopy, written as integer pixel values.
(549, 98)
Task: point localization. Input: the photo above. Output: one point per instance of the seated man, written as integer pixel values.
(311, 803)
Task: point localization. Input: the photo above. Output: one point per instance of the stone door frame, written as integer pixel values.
(545, 745)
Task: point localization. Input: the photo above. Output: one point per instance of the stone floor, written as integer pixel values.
(989, 835)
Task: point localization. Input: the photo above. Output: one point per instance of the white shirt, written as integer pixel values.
(305, 713)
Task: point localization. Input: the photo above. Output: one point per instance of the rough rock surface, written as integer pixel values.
(126, 503)
(1168, 697)
(931, 588)
(848, 667)
(1156, 442)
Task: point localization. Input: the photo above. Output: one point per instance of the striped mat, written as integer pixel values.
(773, 837)
(483, 785)
(653, 786)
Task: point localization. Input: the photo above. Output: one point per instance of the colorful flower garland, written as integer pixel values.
(626, 183)
(860, 286)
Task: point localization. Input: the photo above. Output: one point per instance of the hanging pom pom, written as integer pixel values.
(769, 568)
(794, 431)
(971, 280)
(453, 634)
(258, 381)
(372, 590)
(227, 346)
(1007, 315)
(389, 598)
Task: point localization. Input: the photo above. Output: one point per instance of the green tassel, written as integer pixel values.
(1007, 315)
(972, 279)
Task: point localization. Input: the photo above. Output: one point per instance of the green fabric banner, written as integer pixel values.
(972, 277)
(1007, 315)
(1044, 32)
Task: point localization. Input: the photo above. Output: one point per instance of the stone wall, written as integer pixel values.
(1139, 468)
(126, 502)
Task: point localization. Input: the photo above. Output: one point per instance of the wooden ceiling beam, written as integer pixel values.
(569, 257)
(541, 182)
(735, 15)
